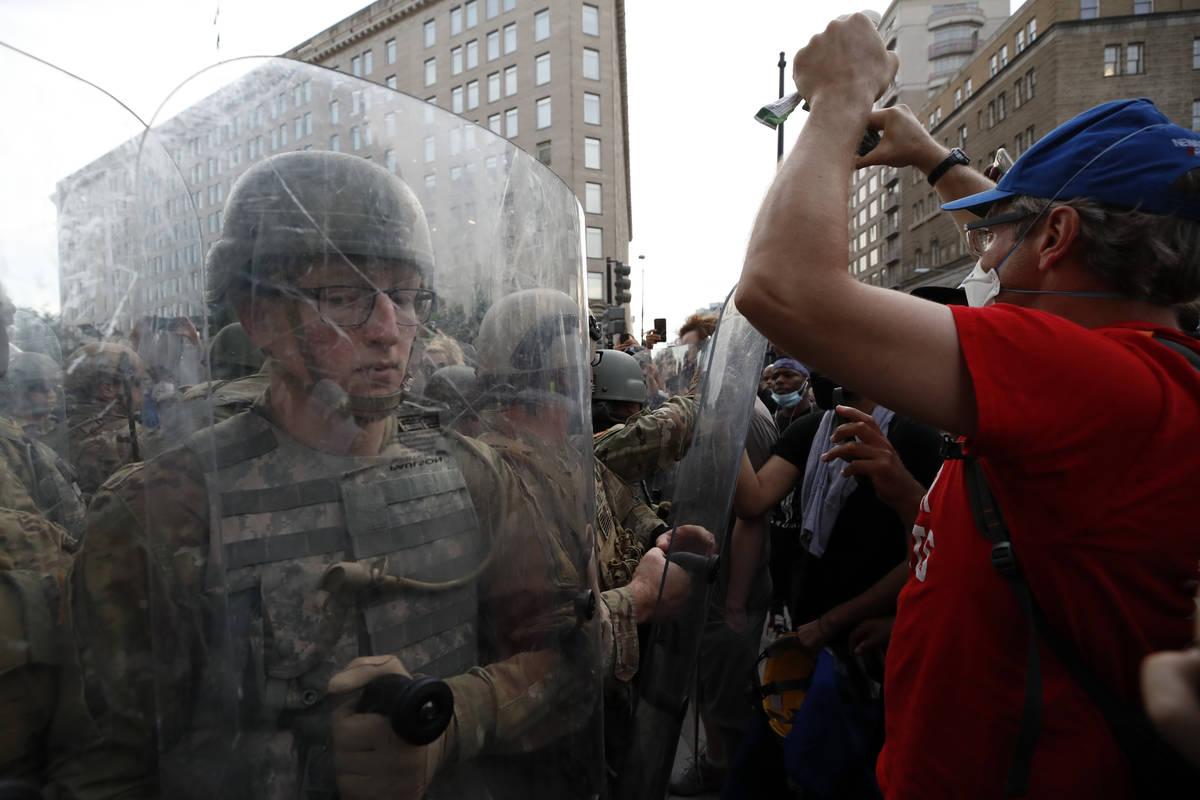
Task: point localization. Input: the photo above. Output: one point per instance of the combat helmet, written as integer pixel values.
(96, 362)
(294, 210)
(232, 355)
(616, 378)
(30, 372)
(531, 343)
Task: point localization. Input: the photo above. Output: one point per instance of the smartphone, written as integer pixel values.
(839, 399)
(660, 327)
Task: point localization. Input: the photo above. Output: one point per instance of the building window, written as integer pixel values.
(591, 108)
(991, 109)
(1089, 9)
(494, 124)
(1032, 30)
(1003, 56)
(368, 62)
(967, 88)
(543, 152)
(543, 113)
(308, 123)
(510, 123)
(1029, 139)
(430, 71)
(1135, 53)
(595, 242)
(493, 45)
(1196, 54)
(335, 144)
(455, 60)
(509, 5)
(591, 20)
(355, 66)
(510, 38)
(473, 54)
(541, 69)
(430, 33)
(595, 287)
(1143, 6)
(1020, 40)
(472, 94)
(958, 97)
(992, 65)
(492, 8)
(591, 64)
(962, 136)
(1112, 60)
(591, 153)
(389, 160)
(493, 87)
(456, 20)
(592, 198)
(390, 81)
(355, 139)
(1018, 92)
(430, 149)
(456, 99)
(1000, 107)
(389, 51)
(1196, 114)
(472, 13)
(510, 81)
(541, 25)
(1030, 84)
(333, 112)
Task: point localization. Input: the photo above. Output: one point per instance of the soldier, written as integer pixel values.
(104, 383)
(227, 581)
(33, 389)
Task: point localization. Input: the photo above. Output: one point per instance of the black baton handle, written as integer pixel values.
(419, 709)
(704, 566)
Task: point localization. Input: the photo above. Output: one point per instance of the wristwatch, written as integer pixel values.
(956, 156)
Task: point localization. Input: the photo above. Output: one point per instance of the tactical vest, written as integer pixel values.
(280, 515)
(48, 480)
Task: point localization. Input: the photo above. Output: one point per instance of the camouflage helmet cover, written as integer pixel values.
(310, 207)
(231, 354)
(99, 361)
(529, 338)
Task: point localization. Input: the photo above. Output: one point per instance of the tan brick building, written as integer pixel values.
(549, 75)
(1050, 61)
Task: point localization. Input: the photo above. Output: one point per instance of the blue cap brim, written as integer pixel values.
(978, 204)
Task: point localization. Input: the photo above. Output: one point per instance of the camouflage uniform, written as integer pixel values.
(186, 411)
(41, 698)
(148, 568)
(34, 479)
(649, 442)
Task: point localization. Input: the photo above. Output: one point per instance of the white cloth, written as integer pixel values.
(824, 489)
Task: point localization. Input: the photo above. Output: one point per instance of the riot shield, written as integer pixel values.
(703, 495)
(330, 546)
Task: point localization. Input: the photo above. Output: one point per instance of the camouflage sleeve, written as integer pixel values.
(623, 613)
(651, 441)
(136, 633)
(543, 662)
(16, 479)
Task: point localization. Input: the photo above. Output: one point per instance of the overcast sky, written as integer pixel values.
(699, 162)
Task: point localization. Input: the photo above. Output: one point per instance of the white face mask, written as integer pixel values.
(981, 286)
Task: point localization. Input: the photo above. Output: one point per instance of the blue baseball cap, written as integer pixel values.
(1124, 153)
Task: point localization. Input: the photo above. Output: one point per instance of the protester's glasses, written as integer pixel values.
(350, 306)
(981, 237)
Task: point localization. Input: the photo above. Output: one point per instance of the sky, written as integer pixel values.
(699, 162)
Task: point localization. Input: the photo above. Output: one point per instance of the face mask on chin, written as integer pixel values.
(981, 286)
(786, 400)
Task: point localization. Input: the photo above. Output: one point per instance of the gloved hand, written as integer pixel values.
(370, 760)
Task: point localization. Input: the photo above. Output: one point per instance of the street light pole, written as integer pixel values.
(642, 313)
(779, 131)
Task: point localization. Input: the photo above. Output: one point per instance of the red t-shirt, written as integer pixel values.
(1090, 440)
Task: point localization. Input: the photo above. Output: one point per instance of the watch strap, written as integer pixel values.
(956, 156)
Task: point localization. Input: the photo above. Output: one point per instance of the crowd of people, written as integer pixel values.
(334, 550)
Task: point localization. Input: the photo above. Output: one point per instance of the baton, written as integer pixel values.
(419, 709)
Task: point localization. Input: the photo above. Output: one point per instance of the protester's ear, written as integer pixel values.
(1057, 233)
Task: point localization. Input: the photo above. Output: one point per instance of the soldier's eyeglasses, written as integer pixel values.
(350, 306)
(981, 237)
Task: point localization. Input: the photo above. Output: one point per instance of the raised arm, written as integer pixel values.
(795, 285)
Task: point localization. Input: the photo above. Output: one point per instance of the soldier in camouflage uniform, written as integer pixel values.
(104, 383)
(227, 586)
(32, 392)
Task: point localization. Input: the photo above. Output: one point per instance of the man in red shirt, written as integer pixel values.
(1085, 420)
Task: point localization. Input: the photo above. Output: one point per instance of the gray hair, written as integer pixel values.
(1148, 257)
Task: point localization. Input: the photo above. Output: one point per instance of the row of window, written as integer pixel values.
(466, 57)
(466, 16)
(1133, 63)
(1090, 9)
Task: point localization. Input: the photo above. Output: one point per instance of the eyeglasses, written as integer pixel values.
(981, 237)
(350, 306)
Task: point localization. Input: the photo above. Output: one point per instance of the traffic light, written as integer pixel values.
(621, 295)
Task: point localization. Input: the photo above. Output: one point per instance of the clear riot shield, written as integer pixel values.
(703, 495)
(408, 480)
(669, 370)
(33, 387)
